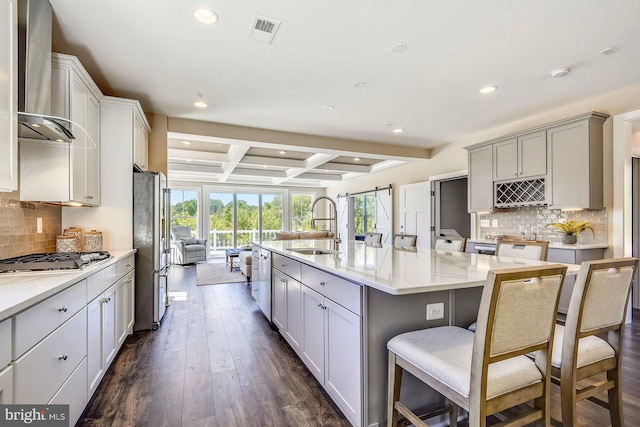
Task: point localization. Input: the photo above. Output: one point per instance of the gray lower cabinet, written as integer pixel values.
(480, 182)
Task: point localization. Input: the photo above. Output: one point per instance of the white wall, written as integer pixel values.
(453, 156)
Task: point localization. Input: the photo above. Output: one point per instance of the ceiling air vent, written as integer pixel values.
(263, 29)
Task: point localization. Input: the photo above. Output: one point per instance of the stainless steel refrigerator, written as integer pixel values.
(151, 207)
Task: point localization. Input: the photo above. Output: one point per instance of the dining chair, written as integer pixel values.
(486, 372)
(523, 249)
(373, 238)
(455, 244)
(405, 240)
(598, 305)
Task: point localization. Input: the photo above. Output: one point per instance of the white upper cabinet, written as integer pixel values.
(75, 96)
(141, 142)
(8, 96)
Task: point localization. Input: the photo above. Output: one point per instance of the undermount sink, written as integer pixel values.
(313, 251)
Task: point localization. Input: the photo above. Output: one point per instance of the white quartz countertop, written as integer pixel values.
(19, 291)
(554, 245)
(399, 271)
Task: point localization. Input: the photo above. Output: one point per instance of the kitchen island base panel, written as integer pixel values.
(389, 315)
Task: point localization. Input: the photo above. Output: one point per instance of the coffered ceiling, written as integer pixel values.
(361, 70)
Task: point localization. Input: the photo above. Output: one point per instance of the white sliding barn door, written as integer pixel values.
(384, 215)
(415, 212)
(343, 218)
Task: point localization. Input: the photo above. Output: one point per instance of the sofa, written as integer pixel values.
(187, 249)
(303, 235)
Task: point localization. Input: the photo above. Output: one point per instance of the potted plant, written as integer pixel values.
(571, 229)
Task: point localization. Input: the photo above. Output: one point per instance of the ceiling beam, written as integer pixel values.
(319, 176)
(178, 154)
(345, 167)
(309, 164)
(304, 142)
(272, 161)
(181, 167)
(259, 172)
(236, 153)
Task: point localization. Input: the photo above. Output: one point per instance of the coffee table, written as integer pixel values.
(230, 254)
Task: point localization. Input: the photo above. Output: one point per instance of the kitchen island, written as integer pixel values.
(338, 308)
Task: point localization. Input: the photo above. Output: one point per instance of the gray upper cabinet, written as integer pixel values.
(575, 150)
(8, 96)
(559, 165)
(521, 157)
(480, 182)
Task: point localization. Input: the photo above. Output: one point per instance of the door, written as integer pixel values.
(450, 214)
(384, 215)
(415, 212)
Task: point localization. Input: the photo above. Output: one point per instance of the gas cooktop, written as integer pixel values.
(51, 261)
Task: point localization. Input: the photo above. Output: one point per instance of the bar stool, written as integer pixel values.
(523, 249)
(598, 305)
(405, 240)
(454, 244)
(487, 372)
(373, 238)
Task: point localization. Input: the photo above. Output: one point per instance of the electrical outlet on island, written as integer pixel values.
(435, 311)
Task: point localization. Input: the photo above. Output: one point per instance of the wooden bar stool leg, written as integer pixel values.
(568, 400)
(615, 399)
(394, 382)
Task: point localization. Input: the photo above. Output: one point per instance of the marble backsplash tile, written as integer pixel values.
(18, 232)
(514, 222)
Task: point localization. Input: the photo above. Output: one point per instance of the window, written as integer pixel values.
(301, 211)
(184, 208)
(364, 206)
(272, 215)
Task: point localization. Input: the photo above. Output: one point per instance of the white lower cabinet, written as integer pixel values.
(95, 365)
(41, 371)
(327, 335)
(123, 307)
(6, 386)
(279, 312)
(343, 359)
(313, 336)
(293, 331)
(74, 393)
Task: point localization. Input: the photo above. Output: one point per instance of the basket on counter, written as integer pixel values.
(66, 243)
(76, 232)
(93, 241)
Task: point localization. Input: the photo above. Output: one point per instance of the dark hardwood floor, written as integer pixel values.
(216, 362)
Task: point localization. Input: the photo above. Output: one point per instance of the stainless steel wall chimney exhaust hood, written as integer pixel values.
(34, 74)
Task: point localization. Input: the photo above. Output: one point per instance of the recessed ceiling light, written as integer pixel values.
(488, 89)
(282, 152)
(200, 102)
(559, 72)
(189, 160)
(357, 159)
(398, 48)
(397, 130)
(186, 142)
(35, 125)
(608, 51)
(330, 108)
(264, 166)
(360, 83)
(206, 16)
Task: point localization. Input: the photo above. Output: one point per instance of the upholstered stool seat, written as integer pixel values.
(445, 354)
(244, 261)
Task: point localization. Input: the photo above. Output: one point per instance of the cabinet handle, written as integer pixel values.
(127, 265)
(282, 280)
(106, 300)
(65, 308)
(284, 265)
(64, 357)
(321, 283)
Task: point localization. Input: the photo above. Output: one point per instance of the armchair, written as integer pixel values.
(188, 250)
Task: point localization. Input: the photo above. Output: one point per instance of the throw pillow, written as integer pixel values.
(189, 240)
